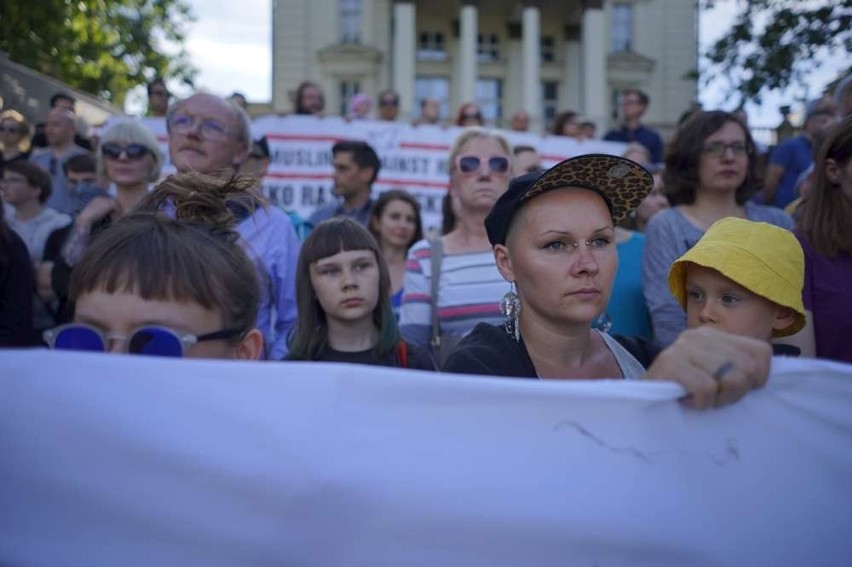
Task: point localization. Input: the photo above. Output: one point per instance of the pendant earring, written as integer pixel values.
(510, 307)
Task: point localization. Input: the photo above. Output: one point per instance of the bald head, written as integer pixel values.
(207, 134)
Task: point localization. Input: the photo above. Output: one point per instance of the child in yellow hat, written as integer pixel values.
(743, 277)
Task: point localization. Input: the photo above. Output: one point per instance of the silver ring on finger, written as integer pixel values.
(723, 370)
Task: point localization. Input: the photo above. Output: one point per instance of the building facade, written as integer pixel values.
(542, 56)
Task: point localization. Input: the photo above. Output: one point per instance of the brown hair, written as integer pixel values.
(561, 120)
(194, 256)
(684, 156)
(310, 335)
(379, 208)
(827, 218)
(35, 175)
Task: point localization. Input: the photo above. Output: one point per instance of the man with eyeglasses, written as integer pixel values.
(60, 129)
(211, 135)
(634, 103)
(388, 105)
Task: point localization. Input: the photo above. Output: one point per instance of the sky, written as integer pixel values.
(230, 44)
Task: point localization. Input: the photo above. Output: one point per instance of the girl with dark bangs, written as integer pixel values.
(182, 286)
(343, 296)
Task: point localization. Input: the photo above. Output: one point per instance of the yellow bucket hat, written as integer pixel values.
(765, 259)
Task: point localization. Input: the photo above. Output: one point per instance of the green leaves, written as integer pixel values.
(104, 47)
(775, 44)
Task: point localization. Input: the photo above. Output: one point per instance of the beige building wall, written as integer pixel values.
(584, 74)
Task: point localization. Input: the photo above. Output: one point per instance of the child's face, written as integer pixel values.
(347, 285)
(712, 299)
(121, 313)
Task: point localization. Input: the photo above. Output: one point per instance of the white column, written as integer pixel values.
(595, 92)
(467, 52)
(572, 84)
(404, 62)
(531, 34)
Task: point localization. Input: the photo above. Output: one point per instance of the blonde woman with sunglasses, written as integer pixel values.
(468, 287)
(129, 159)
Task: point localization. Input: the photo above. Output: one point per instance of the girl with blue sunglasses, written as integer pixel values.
(343, 293)
(162, 286)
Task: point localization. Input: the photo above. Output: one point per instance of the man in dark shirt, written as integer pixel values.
(633, 105)
(356, 166)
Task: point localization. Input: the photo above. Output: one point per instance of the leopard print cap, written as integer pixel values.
(621, 182)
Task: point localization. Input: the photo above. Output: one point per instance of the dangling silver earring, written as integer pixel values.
(510, 307)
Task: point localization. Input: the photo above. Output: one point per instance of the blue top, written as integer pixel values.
(648, 137)
(271, 243)
(396, 302)
(60, 195)
(627, 309)
(794, 155)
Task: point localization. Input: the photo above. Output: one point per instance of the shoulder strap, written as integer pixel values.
(642, 350)
(402, 354)
(437, 254)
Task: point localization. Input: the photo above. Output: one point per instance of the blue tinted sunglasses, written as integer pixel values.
(149, 340)
(471, 164)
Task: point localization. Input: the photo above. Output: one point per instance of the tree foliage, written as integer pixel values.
(104, 47)
(775, 44)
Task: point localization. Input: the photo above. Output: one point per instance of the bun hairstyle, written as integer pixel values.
(180, 244)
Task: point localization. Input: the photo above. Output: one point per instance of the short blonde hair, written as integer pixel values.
(23, 127)
(130, 132)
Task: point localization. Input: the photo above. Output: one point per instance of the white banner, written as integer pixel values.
(413, 158)
(120, 460)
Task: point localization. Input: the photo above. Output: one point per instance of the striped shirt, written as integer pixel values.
(469, 292)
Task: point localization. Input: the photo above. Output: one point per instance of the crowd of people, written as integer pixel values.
(674, 261)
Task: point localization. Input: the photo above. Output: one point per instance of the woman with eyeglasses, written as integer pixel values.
(14, 137)
(451, 283)
(162, 286)
(710, 173)
(129, 158)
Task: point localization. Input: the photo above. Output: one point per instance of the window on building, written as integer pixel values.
(348, 88)
(431, 46)
(549, 102)
(426, 86)
(350, 21)
(489, 95)
(548, 49)
(622, 27)
(488, 47)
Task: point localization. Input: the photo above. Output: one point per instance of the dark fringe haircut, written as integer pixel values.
(194, 256)
(310, 334)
